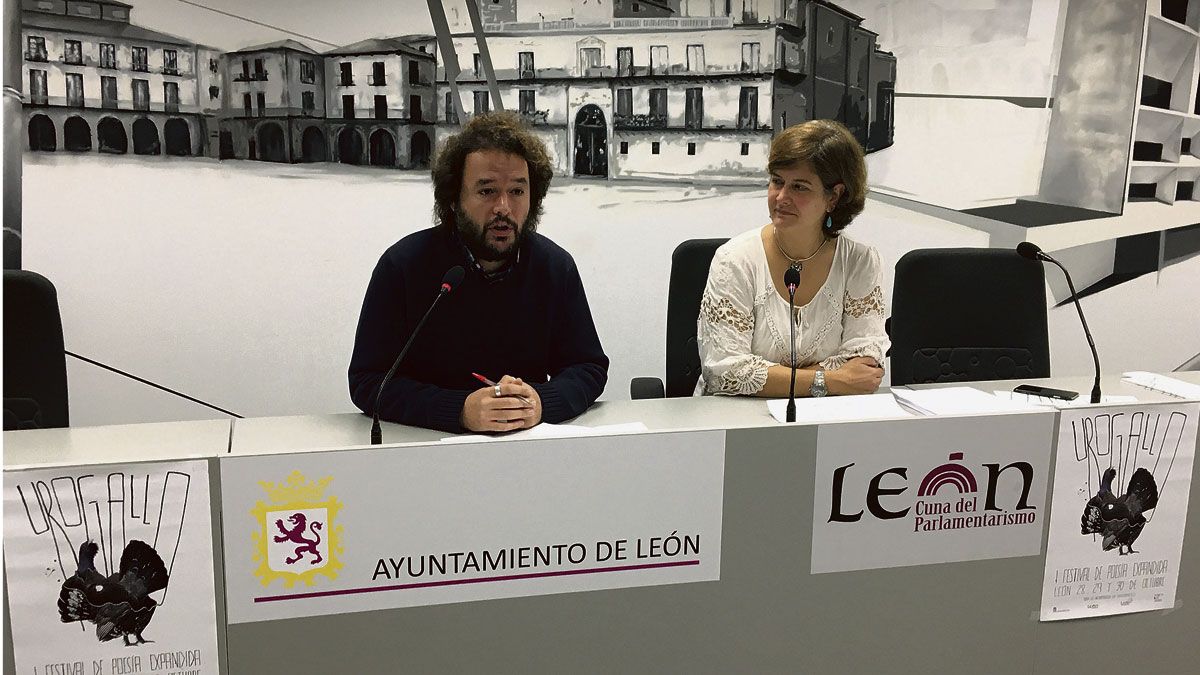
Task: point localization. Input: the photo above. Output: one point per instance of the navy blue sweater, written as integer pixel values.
(533, 323)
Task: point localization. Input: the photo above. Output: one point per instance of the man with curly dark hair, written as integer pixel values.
(519, 318)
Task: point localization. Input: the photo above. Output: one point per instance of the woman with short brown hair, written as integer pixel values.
(818, 185)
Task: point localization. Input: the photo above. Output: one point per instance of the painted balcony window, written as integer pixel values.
(525, 102)
(695, 58)
(589, 57)
(171, 97)
(73, 52)
(37, 87)
(748, 108)
(35, 49)
(624, 105)
(108, 55)
(750, 53)
(75, 90)
(624, 61)
(141, 59)
(659, 62)
(693, 116)
(108, 92)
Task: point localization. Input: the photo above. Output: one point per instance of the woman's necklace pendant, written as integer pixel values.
(796, 265)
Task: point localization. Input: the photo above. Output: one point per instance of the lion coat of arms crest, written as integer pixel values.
(297, 538)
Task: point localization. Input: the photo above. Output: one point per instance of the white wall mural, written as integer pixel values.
(234, 171)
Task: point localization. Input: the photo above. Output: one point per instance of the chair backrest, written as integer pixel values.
(964, 314)
(689, 274)
(35, 366)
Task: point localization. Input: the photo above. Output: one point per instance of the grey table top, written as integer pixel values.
(115, 444)
(269, 435)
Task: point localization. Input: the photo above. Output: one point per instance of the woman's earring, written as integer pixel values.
(829, 221)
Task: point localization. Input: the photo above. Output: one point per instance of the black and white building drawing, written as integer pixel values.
(381, 98)
(274, 106)
(657, 90)
(98, 83)
(272, 126)
(677, 96)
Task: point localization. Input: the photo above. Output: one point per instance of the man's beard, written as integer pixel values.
(474, 236)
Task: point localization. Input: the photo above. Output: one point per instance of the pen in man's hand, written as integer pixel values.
(493, 384)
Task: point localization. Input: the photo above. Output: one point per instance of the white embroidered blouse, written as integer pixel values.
(743, 325)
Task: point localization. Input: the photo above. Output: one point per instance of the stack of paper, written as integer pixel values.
(956, 401)
(546, 430)
(1168, 385)
(840, 409)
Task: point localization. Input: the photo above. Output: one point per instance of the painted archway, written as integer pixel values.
(420, 150)
(77, 134)
(312, 145)
(145, 137)
(350, 146)
(591, 142)
(112, 137)
(42, 136)
(177, 137)
(383, 148)
(271, 144)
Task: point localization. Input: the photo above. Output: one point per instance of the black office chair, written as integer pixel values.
(689, 274)
(968, 314)
(35, 365)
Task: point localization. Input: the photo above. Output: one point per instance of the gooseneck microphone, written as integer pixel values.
(792, 279)
(450, 281)
(1030, 250)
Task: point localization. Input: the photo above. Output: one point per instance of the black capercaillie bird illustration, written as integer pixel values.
(120, 605)
(1119, 519)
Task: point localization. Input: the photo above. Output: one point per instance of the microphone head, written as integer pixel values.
(453, 278)
(791, 277)
(1028, 249)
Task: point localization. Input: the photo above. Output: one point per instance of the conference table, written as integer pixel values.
(764, 611)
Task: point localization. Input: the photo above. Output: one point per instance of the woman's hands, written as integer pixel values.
(859, 375)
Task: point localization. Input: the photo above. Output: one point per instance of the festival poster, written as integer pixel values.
(356, 530)
(1118, 509)
(110, 570)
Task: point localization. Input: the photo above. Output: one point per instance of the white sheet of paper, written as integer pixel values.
(1169, 385)
(956, 401)
(840, 409)
(546, 430)
(1081, 402)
